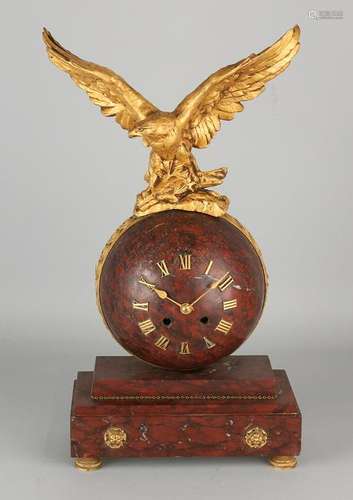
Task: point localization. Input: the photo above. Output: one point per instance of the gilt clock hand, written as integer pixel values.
(162, 294)
(184, 308)
(211, 287)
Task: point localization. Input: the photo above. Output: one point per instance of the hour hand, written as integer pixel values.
(162, 294)
(144, 282)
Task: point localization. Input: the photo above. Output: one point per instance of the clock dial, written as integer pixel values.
(181, 289)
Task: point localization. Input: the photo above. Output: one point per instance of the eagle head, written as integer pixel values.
(160, 132)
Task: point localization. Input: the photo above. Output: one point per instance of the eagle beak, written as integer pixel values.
(134, 133)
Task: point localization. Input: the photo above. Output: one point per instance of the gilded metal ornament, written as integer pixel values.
(256, 437)
(115, 437)
(283, 462)
(187, 397)
(173, 176)
(88, 464)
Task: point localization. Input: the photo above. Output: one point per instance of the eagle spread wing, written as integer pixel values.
(104, 87)
(219, 97)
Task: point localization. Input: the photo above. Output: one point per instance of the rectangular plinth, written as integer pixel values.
(186, 428)
(125, 377)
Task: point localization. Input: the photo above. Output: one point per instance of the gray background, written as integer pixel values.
(69, 177)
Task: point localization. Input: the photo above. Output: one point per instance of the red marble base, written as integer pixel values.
(222, 424)
(124, 377)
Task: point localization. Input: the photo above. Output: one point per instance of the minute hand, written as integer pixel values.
(212, 287)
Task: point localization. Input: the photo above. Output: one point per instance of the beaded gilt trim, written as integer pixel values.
(186, 397)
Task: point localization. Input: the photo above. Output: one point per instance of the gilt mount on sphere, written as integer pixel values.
(173, 176)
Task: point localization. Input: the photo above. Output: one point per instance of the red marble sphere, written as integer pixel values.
(182, 289)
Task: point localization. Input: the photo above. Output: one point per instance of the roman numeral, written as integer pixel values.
(229, 304)
(146, 326)
(184, 348)
(208, 268)
(224, 326)
(185, 261)
(143, 306)
(162, 342)
(223, 285)
(163, 268)
(208, 343)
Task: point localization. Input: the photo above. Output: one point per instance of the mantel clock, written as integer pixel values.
(181, 285)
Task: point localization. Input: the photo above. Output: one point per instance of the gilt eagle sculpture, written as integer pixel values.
(173, 177)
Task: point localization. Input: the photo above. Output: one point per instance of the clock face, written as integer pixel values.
(181, 290)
